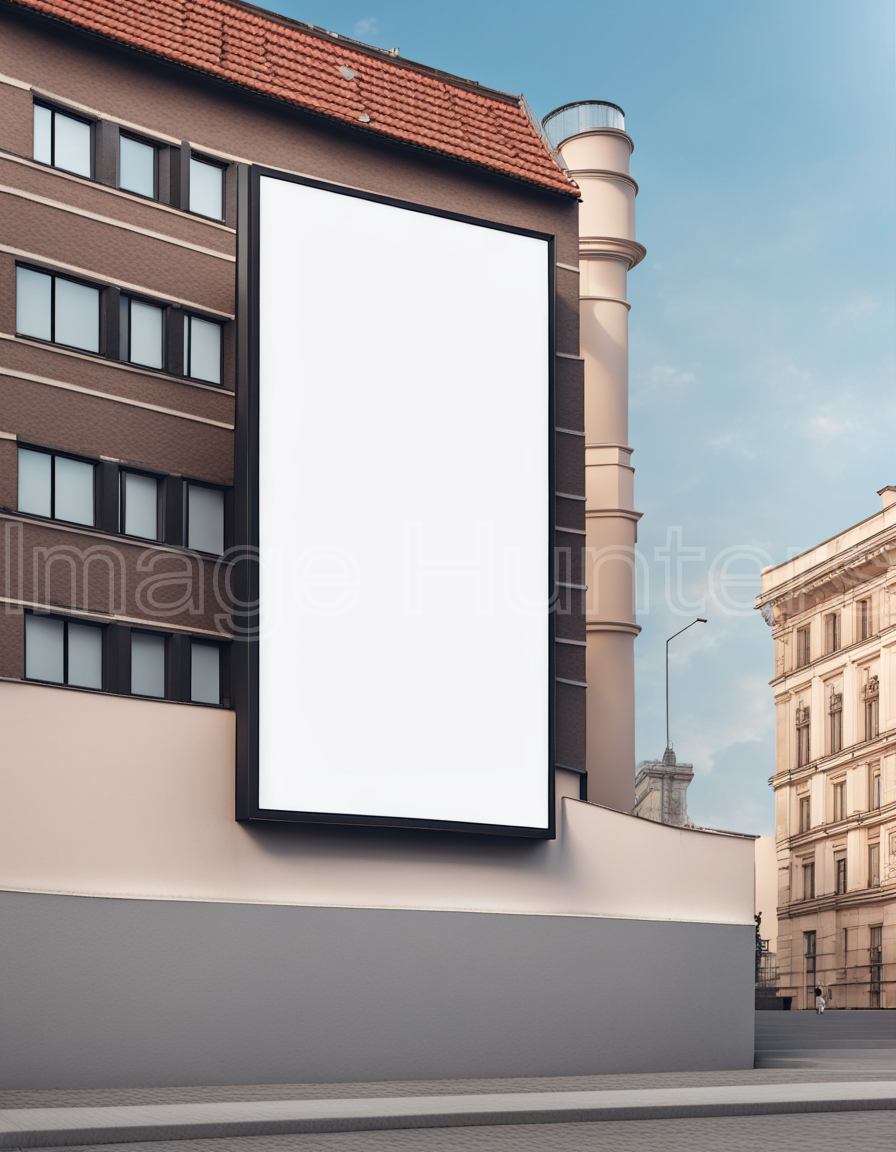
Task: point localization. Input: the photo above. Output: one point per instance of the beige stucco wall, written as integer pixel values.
(833, 578)
(110, 796)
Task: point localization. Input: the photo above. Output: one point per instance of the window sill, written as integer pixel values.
(135, 197)
(114, 695)
(93, 530)
(126, 365)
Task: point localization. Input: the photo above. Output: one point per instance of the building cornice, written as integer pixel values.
(611, 248)
(844, 572)
(822, 833)
(866, 749)
(831, 902)
(850, 650)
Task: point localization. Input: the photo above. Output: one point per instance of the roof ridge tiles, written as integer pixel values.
(282, 59)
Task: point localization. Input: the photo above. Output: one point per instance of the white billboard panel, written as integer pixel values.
(404, 495)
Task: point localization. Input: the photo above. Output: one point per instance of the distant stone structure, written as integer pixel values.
(661, 790)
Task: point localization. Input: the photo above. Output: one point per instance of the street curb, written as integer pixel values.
(55, 1127)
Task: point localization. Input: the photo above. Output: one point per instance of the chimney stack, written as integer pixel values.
(887, 495)
(591, 143)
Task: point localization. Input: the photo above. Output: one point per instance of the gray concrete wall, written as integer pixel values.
(112, 992)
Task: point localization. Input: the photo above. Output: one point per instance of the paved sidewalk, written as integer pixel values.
(848, 1100)
(827, 1132)
(107, 1097)
(43, 1127)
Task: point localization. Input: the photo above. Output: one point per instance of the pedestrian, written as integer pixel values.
(819, 1001)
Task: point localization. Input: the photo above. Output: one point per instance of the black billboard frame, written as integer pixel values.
(245, 575)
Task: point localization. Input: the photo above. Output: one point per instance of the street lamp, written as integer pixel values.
(699, 620)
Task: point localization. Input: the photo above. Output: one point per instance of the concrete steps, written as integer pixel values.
(860, 1040)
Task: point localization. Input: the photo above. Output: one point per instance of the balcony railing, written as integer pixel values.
(582, 116)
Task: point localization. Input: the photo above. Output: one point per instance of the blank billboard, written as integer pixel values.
(403, 492)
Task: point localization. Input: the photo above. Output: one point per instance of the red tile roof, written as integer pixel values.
(304, 66)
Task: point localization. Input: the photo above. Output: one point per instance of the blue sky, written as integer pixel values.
(763, 326)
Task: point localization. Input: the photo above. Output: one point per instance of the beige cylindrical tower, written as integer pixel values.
(593, 146)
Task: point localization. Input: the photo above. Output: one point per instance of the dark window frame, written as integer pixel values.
(167, 661)
(872, 718)
(832, 632)
(222, 165)
(803, 647)
(53, 453)
(839, 797)
(835, 723)
(66, 621)
(188, 348)
(116, 660)
(54, 276)
(160, 479)
(874, 865)
(840, 869)
(124, 339)
(803, 746)
(61, 110)
(111, 340)
(223, 671)
(864, 619)
(875, 789)
(126, 134)
(226, 491)
(808, 879)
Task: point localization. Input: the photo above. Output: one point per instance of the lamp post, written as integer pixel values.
(699, 620)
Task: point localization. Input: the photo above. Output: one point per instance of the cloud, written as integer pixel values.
(746, 716)
(828, 425)
(666, 377)
(862, 306)
(661, 381)
(366, 27)
(733, 442)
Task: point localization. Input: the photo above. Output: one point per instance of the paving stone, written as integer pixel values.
(827, 1132)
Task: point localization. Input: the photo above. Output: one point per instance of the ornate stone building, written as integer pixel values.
(834, 626)
(661, 790)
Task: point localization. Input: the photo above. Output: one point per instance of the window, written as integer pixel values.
(810, 954)
(63, 140)
(141, 333)
(205, 519)
(137, 166)
(802, 647)
(56, 309)
(836, 721)
(809, 881)
(873, 865)
(840, 800)
(871, 695)
(840, 867)
(139, 513)
(875, 956)
(202, 349)
(805, 814)
(206, 188)
(874, 791)
(63, 651)
(205, 673)
(148, 664)
(864, 619)
(802, 736)
(56, 486)
(832, 632)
